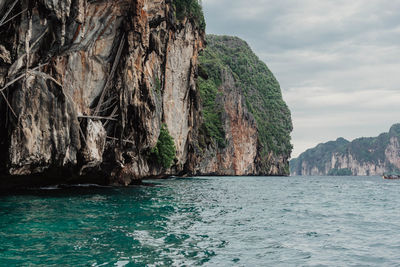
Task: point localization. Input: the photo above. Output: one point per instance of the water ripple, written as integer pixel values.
(212, 221)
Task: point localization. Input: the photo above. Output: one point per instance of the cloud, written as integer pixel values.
(337, 60)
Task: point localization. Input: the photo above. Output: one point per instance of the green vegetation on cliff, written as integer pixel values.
(260, 88)
(319, 155)
(211, 111)
(190, 9)
(164, 152)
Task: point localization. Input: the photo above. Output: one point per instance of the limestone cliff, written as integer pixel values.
(247, 125)
(87, 85)
(106, 91)
(363, 156)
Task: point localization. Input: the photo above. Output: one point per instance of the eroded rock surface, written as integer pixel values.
(239, 155)
(247, 125)
(91, 82)
(87, 86)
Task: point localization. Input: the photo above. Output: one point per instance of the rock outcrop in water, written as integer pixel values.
(362, 156)
(87, 87)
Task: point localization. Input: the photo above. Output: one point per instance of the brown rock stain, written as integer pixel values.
(78, 29)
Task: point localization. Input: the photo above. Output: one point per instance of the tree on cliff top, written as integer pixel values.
(190, 9)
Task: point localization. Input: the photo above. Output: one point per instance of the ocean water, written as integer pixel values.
(211, 221)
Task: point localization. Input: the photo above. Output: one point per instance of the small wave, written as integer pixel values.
(87, 185)
(66, 186)
(312, 234)
(52, 187)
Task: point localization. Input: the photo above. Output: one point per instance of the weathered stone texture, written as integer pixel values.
(90, 83)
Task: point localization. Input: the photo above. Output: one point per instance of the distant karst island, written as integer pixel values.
(363, 156)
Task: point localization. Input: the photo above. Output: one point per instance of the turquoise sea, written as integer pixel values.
(211, 221)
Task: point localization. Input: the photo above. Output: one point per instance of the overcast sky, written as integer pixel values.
(337, 61)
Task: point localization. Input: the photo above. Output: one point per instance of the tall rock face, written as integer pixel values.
(362, 156)
(246, 127)
(87, 85)
(107, 92)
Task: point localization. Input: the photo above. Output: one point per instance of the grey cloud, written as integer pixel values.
(337, 60)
